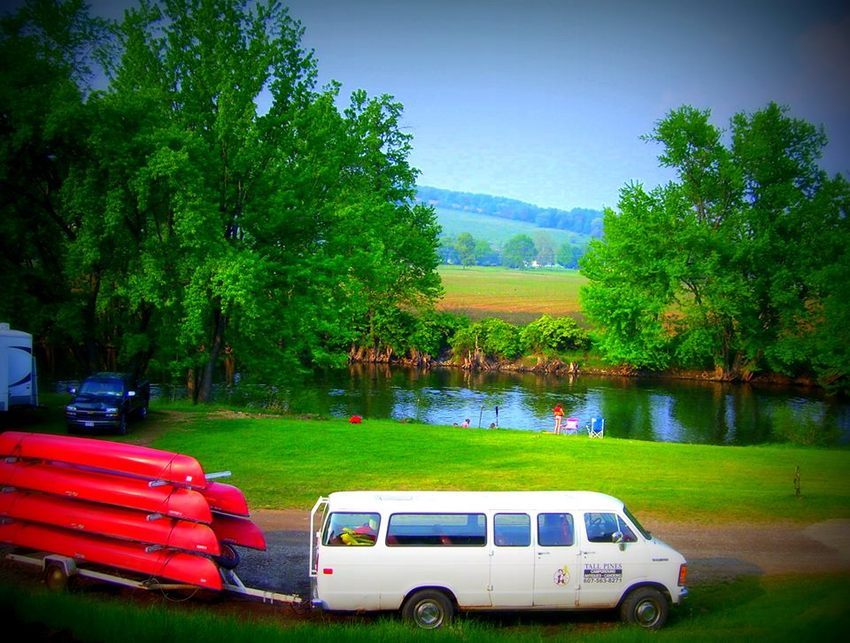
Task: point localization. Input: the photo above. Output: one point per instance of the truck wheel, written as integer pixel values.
(429, 609)
(646, 607)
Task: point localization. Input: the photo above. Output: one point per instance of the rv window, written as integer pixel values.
(512, 530)
(344, 528)
(437, 530)
(555, 530)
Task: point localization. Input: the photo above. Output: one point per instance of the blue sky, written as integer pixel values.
(546, 100)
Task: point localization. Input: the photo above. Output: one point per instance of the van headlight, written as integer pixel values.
(71, 409)
(111, 411)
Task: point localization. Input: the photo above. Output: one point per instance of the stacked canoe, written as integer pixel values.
(122, 506)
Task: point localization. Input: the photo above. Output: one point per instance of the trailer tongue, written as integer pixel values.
(123, 514)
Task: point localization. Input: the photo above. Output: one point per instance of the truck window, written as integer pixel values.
(345, 528)
(437, 530)
(512, 530)
(601, 528)
(555, 530)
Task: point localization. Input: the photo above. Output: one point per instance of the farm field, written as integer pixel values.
(517, 296)
(497, 230)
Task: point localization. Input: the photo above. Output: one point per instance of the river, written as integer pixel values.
(655, 409)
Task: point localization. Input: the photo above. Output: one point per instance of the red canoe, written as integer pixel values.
(113, 522)
(238, 531)
(162, 564)
(121, 491)
(226, 498)
(103, 455)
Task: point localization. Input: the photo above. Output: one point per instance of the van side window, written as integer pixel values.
(555, 530)
(346, 528)
(512, 530)
(601, 528)
(436, 530)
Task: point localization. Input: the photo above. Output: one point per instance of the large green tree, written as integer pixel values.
(217, 197)
(735, 264)
(46, 67)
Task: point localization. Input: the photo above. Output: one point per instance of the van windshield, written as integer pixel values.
(637, 524)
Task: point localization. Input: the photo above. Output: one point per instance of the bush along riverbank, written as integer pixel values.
(550, 345)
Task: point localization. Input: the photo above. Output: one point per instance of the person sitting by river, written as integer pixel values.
(465, 424)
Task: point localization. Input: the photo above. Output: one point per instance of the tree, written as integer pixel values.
(568, 255)
(724, 267)
(216, 197)
(518, 251)
(46, 63)
(465, 246)
(545, 248)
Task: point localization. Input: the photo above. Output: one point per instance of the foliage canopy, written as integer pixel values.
(738, 265)
(209, 195)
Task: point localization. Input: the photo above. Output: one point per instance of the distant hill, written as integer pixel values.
(582, 221)
(497, 230)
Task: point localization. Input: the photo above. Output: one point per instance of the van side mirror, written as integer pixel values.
(617, 537)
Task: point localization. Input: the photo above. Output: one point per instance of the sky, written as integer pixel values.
(546, 101)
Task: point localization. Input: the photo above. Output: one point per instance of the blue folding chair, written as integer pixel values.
(596, 428)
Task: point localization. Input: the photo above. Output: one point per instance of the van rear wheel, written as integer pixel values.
(646, 607)
(428, 609)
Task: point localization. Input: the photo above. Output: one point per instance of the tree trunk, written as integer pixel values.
(205, 386)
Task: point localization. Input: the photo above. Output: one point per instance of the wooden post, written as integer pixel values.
(797, 481)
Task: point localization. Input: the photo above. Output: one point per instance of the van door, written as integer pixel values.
(612, 558)
(556, 556)
(511, 561)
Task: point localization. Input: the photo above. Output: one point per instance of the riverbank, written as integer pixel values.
(582, 365)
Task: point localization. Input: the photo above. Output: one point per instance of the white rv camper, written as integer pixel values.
(18, 382)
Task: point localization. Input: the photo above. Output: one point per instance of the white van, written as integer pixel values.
(430, 553)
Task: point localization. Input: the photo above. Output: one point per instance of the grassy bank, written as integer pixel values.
(282, 462)
(288, 462)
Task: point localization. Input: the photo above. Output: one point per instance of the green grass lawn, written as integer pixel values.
(518, 296)
(281, 462)
(287, 463)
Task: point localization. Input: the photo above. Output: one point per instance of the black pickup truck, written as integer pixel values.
(107, 401)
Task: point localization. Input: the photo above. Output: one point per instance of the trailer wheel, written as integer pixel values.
(428, 609)
(646, 607)
(229, 557)
(55, 577)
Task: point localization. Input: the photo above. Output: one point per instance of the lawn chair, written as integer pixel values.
(571, 425)
(596, 428)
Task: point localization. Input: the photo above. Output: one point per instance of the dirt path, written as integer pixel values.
(714, 552)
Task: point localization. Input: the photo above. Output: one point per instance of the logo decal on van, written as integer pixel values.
(562, 576)
(603, 573)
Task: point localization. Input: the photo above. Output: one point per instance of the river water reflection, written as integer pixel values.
(639, 408)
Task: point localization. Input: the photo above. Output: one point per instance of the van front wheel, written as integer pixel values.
(429, 609)
(646, 607)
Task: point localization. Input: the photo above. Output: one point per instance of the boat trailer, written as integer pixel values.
(57, 571)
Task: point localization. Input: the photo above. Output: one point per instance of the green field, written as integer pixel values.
(517, 296)
(497, 230)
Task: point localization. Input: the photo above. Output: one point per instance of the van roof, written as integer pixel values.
(449, 501)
